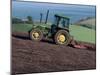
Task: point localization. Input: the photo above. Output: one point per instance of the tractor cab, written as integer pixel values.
(62, 21)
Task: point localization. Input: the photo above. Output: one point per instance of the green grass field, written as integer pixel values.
(80, 33)
(21, 27)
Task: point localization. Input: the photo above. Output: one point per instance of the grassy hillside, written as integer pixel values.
(88, 22)
(21, 27)
(80, 33)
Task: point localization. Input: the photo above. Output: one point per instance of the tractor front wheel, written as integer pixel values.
(62, 37)
(36, 35)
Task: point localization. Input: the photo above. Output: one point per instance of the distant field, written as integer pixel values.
(21, 27)
(80, 33)
(88, 23)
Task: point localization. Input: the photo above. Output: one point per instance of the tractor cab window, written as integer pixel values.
(56, 21)
(64, 23)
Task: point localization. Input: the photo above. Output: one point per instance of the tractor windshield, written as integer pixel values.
(64, 23)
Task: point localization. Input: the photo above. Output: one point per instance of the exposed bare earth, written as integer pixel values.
(45, 56)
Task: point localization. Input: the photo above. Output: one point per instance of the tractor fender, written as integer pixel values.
(66, 29)
(30, 30)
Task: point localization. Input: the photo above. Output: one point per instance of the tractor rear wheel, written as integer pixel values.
(62, 37)
(36, 35)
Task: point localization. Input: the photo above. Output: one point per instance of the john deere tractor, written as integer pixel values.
(59, 31)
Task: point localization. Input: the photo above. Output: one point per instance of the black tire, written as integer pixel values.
(66, 37)
(39, 38)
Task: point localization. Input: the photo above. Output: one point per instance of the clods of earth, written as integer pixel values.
(45, 56)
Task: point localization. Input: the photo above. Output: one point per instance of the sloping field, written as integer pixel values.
(83, 34)
(45, 56)
(89, 23)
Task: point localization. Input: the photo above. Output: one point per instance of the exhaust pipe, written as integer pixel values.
(41, 15)
(47, 16)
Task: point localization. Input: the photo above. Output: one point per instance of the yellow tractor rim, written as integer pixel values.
(35, 35)
(61, 39)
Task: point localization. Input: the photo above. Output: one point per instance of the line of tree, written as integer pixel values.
(28, 20)
(16, 20)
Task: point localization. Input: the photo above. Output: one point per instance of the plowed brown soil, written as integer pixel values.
(45, 56)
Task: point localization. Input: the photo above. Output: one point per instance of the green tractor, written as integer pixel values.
(59, 31)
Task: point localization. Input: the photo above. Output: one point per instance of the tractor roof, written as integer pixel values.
(62, 16)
